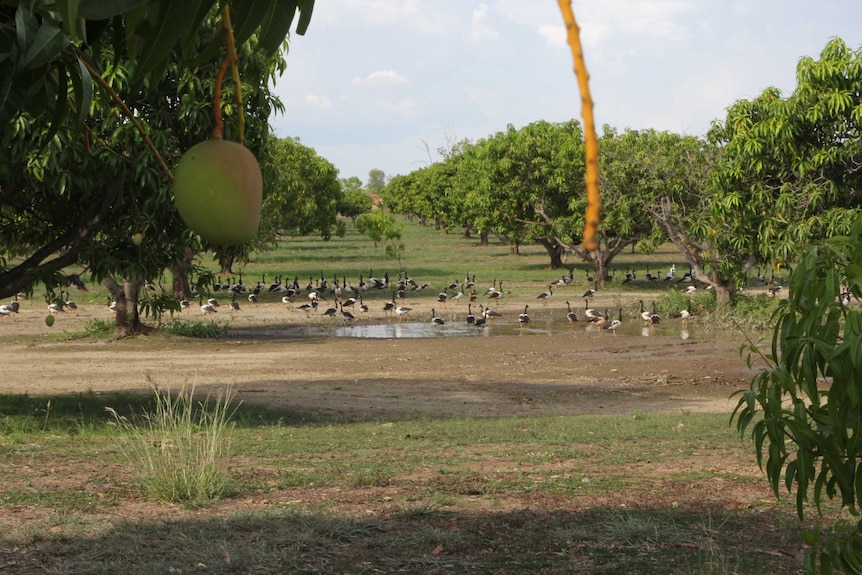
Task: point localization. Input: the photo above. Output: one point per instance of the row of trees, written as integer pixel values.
(773, 176)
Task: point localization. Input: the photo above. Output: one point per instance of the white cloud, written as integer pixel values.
(555, 36)
(381, 78)
(317, 100)
(481, 30)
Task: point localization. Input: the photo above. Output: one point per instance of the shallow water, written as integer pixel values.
(415, 329)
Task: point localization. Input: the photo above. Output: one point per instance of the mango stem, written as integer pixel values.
(591, 140)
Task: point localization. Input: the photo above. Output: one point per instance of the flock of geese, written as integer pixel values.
(348, 303)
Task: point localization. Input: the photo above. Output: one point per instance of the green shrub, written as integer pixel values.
(196, 329)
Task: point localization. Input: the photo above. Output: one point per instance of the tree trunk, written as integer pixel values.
(126, 295)
(555, 252)
(180, 286)
(227, 265)
(466, 235)
(484, 236)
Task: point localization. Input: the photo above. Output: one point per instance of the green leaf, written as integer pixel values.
(170, 24)
(276, 27)
(82, 85)
(246, 17)
(305, 9)
(104, 9)
(49, 42)
(26, 28)
(68, 11)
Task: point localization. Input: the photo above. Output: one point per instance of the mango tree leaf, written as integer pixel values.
(82, 85)
(203, 8)
(49, 42)
(306, 7)
(26, 28)
(276, 26)
(171, 23)
(246, 17)
(104, 9)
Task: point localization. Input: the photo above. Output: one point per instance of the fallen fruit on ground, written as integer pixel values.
(218, 190)
(49, 320)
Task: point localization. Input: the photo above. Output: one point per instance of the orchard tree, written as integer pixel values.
(91, 189)
(787, 173)
(526, 173)
(376, 181)
(354, 203)
(635, 169)
(305, 192)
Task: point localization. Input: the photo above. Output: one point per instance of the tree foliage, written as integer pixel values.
(45, 45)
(81, 190)
(304, 192)
(789, 172)
(810, 397)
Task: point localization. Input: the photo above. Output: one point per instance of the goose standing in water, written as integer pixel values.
(435, 319)
(571, 316)
(524, 318)
(616, 324)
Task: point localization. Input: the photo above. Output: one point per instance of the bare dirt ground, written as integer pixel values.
(571, 370)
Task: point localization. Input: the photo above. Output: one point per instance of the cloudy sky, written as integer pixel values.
(384, 84)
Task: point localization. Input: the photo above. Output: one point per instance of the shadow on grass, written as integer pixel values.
(420, 540)
(72, 413)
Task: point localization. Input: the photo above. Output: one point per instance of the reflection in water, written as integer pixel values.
(411, 329)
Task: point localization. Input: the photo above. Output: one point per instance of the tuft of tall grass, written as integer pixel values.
(180, 449)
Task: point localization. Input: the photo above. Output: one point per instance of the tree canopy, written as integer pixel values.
(90, 190)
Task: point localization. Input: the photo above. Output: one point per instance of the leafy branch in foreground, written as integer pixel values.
(811, 398)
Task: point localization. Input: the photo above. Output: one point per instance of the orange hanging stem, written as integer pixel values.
(591, 140)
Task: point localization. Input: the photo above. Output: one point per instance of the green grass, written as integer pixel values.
(180, 449)
(559, 495)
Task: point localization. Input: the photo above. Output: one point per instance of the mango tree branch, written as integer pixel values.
(137, 123)
(591, 140)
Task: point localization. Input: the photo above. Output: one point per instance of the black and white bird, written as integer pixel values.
(68, 303)
(689, 290)
(206, 308)
(309, 307)
(649, 317)
(546, 295)
(571, 315)
(435, 319)
(686, 313)
(234, 305)
(591, 315)
(346, 315)
(403, 311)
(590, 293)
(524, 318)
(490, 313)
(471, 319)
(615, 324)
